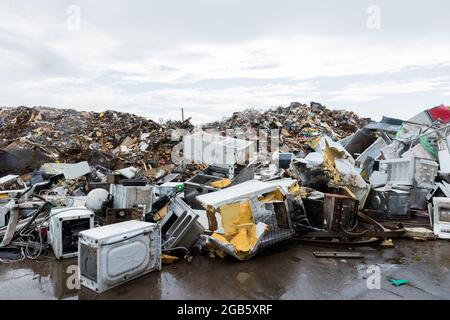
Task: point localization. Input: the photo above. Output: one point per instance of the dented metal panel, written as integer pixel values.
(241, 192)
(180, 227)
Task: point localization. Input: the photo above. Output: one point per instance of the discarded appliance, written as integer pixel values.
(332, 213)
(378, 179)
(393, 150)
(237, 173)
(394, 203)
(202, 147)
(214, 178)
(339, 212)
(159, 207)
(311, 174)
(400, 171)
(419, 198)
(441, 217)
(325, 142)
(373, 151)
(428, 117)
(64, 227)
(116, 215)
(11, 182)
(441, 189)
(440, 113)
(7, 179)
(10, 232)
(360, 141)
(179, 227)
(254, 215)
(197, 185)
(410, 171)
(132, 196)
(425, 173)
(111, 255)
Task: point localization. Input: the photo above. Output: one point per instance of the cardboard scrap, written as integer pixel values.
(167, 259)
(273, 196)
(220, 183)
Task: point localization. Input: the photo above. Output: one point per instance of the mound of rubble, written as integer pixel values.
(30, 137)
(298, 123)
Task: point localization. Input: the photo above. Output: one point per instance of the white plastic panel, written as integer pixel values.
(441, 216)
(127, 258)
(374, 151)
(400, 171)
(203, 147)
(132, 196)
(241, 191)
(425, 172)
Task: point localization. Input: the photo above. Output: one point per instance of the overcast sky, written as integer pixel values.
(214, 57)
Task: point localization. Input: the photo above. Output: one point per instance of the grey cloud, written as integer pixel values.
(144, 30)
(234, 20)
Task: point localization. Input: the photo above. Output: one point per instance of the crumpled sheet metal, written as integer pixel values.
(245, 245)
(254, 215)
(343, 173)
(242, 192)
(373, 151)
(12, 224)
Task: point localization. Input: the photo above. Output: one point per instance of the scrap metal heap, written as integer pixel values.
(84, 183)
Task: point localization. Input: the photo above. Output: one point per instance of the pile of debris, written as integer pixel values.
(392, 170)
(298, 123)
(111, 196)
(32, 136)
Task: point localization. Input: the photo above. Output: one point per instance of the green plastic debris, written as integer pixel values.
(427, 146)
(398, 282)
(399, 132)
(423, 140)
(179, 187)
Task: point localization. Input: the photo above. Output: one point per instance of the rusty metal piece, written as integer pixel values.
(339, 212)
(336, 254)
(391, 233)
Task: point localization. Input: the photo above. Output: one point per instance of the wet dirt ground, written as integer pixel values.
(288, 271)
